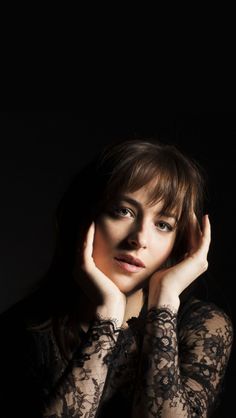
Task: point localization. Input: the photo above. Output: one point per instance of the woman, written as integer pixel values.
(116, 327)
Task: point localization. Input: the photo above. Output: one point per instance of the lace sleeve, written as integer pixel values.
(79, 390)
(181, 375)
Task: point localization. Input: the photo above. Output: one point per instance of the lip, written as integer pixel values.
(127, 267)
(127, 258)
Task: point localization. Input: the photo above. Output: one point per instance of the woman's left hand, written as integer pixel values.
(166, 285)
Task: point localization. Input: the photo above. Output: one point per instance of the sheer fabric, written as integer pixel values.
(164, 364)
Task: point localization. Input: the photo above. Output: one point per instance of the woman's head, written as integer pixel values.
(156, 175)
(129, 165)
(133, 238)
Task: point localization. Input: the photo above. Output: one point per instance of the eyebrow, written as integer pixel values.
(139, 206)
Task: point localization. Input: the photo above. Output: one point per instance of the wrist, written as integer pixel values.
(113, 311)
(163, 298)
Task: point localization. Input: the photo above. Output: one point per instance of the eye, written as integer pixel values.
(164, 226)
(122, 211)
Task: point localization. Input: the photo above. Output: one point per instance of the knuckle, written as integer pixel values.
(204, 265)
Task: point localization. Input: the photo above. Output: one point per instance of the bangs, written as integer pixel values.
(173, 182)
(162, 184)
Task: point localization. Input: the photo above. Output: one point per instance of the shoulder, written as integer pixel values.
(204, 318)
(205, 310)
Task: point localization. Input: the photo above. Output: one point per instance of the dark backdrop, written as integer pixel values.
(40, 152)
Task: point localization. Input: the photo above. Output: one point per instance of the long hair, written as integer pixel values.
(125, 165)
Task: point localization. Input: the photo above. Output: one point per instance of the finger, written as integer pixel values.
(88, 244)
(206, 233)
(195, 232)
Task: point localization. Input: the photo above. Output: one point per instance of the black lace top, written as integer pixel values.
(162, 365)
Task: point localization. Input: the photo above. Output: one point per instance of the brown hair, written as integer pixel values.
(126, 165)
(175, 179)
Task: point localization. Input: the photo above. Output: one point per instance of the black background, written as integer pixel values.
(40, 152)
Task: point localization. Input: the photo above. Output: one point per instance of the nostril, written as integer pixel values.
(137, 243)
(133, 242)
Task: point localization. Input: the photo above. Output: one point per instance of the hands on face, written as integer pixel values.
(96, 285)
(175, 279)
(171, 281)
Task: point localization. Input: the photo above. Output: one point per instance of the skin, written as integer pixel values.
(135, 229)
(145, 233)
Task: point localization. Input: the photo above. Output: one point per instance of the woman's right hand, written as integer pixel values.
(101, 290)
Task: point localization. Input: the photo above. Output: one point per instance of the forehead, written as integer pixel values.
(158, 193)
(143, 198)
(140, 199)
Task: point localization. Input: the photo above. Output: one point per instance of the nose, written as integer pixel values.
(137, 239)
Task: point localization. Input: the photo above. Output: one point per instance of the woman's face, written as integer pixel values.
(130, 228)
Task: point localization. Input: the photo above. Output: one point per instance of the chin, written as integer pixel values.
(126, 290)
(126, 285)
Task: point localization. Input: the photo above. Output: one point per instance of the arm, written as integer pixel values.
(184, 382)
(79, 392)
(181, 376)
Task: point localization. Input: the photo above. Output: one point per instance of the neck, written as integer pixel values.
(134, 303)
(86, 309)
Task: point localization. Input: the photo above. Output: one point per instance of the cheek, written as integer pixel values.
(163, 250)
(169, 246)
(106, 236)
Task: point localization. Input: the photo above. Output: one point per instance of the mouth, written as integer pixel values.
(129, 263)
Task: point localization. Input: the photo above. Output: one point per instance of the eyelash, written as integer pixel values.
(116, 211)
(119, 208)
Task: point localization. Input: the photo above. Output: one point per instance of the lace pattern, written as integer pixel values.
(165, 364)
(181, 372)
(78, 391)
